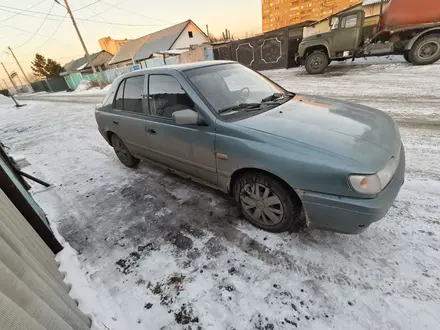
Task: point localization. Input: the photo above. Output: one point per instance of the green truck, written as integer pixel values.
(406, 27)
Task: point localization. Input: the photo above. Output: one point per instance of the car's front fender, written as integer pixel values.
(299, 165)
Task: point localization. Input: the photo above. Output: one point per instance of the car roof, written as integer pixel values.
(176, 67)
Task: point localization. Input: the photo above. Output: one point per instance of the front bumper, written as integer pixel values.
(351, 215)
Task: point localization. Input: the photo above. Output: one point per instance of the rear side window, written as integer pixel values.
(130, 95)
(167, 96)
(133, 94)
(119, 100)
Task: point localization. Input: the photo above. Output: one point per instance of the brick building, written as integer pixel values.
(281, 13)
(110, 45)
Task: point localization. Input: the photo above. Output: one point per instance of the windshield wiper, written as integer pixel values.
(241, 106)
(276, 96)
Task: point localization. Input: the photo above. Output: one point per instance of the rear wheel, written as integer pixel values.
(316, 62)
(123, 153)
(426, 50)
(267, 203)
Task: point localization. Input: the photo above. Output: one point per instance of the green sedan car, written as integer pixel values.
(288, 160)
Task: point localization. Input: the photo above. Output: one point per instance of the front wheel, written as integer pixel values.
(426, 50)
(316, 62)
(123, 153)
(267, 203)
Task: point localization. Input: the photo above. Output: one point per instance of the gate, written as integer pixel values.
(272, 50)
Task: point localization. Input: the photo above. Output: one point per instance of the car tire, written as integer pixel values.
(406, 56)
(316, 62)
(123, 153)
(426, 50)
(267, 203)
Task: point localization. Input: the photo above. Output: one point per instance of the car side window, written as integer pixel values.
(130, 95)
(167, 96)
(133, 94)
(349, 21)
(119, 99)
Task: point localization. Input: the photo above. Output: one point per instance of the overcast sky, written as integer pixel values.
(56, 38)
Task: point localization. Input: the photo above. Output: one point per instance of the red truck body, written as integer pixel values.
(405, 13)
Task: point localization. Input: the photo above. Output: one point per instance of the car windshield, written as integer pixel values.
(233, 87)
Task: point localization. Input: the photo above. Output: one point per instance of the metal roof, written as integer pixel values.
(82, 63)
(160, 40)
(75, 64)
(129, 49)
(372, 2)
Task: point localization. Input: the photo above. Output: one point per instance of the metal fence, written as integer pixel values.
(272, 50)
(51, 85)
(74, 79)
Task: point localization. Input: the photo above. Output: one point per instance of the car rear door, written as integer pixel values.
(129, 115)
(187, 148)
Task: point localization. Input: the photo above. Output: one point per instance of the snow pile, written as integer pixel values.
(84, 86)
(90, 302)
(5, 100)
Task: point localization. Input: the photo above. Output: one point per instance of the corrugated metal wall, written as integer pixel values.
(33, 295)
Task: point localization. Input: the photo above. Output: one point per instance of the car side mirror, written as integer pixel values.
(186, 117)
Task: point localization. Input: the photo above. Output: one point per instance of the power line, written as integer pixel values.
(23, 11)
(49, 38)
(39, 28)
(133, 12)
(87, 6)
(11, 10)
(110, 6)
(99, 15)
(38, 34)
(53, 58)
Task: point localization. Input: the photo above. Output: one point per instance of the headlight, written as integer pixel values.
(375, 183)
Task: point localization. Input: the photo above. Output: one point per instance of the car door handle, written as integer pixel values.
(151, 131)
(115, 122)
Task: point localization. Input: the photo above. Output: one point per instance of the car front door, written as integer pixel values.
(186, 148)
(347, 33)
(129, 115)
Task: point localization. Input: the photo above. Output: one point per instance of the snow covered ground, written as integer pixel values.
(159, 252)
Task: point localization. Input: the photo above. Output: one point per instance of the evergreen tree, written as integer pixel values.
(39, 66)
(53, 68)
(45, 68)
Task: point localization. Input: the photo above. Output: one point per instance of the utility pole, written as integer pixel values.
(18, 63)
(12, 81)
(82, 43)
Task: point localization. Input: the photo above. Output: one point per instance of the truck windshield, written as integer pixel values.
(234, 87)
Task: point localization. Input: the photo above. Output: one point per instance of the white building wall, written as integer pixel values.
(184, 41)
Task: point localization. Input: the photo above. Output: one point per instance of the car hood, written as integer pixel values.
(357, 132)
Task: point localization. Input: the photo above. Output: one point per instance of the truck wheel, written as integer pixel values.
(316, 62)
(426, 50)
(406, 56)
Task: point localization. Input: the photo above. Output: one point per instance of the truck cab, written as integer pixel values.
(406, 27)
(341, 42)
